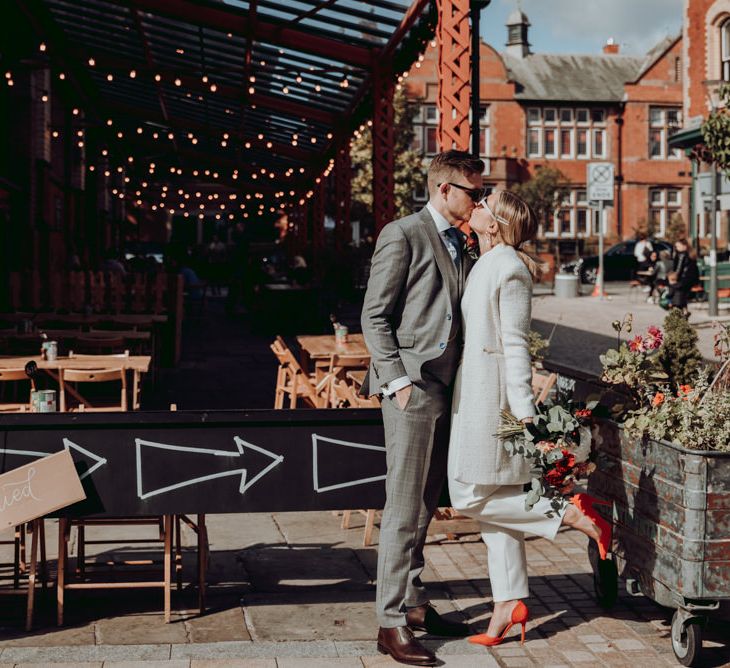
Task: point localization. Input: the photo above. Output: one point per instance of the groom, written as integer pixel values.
(411, 321)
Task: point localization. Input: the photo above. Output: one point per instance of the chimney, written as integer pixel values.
(610, 47)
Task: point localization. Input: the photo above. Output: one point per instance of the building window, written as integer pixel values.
(420, 193)
(574, 217)
(425, 129)
(663, 204)
(566, 133)
(725, 49)
(663, 123)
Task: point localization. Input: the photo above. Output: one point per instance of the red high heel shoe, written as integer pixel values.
(585, 503)
(520, 615)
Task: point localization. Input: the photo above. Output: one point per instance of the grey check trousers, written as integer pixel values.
(416, 441)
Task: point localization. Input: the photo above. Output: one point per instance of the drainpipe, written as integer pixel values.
(619, 171)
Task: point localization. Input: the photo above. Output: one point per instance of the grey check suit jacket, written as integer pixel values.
(411, 314)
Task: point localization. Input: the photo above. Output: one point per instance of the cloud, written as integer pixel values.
(584, 25)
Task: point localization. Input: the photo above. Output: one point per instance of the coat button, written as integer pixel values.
(442, 345)
(448, 316)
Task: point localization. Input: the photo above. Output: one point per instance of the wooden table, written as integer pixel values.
(137, 364)
(320, 348)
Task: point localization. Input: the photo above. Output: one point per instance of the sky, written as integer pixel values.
(583, 26)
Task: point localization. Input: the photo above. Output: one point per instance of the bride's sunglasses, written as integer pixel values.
(483, 203)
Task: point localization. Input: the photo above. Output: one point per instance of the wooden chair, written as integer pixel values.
(15, 375)
(93, 376)
(345, 395)
(136, 385)
(542, 384)
(337, 371)
(291, 380)
(21, 565)
(99, 345)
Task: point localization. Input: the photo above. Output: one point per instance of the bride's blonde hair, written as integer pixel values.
(521, 229)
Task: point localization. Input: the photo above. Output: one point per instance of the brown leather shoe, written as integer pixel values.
(403, 647)
(425, 618)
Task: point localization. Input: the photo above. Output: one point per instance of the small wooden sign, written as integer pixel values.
(38, 488)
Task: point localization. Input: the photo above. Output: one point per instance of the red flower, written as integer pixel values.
(684, 390)
(554, 477)
(658, 399)
(654, 338)
(636, 345)
(568, 460)
(584, 413)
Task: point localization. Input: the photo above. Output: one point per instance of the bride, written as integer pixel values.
(485, 481)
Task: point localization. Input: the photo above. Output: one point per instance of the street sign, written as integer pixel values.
(600, 181)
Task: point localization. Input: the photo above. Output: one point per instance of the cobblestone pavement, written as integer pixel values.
(298, 591)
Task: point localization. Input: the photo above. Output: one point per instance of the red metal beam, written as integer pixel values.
(411, 16)
(454, 68)
(383, 149)
(215, 16)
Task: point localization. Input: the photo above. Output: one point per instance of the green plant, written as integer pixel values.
(537, 346)
(409, 173)
(677, 228)
(680, 357)
(544, 192)
(722, 342)
(557, 447)
(693, 418)
(716, 131)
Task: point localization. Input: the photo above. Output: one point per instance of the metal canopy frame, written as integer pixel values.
(262, 86)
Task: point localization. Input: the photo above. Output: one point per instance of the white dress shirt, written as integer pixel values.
(441, 225)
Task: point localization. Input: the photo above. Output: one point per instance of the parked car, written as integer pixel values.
(619, 262)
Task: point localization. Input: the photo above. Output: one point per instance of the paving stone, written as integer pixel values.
(306, 616)
(339, 662)
(517, 662)
(233, 663)
(175, 663)
(86, 653)
(279, 569)
(575, 656)
(75, 664)
(255, 650)
(218, 625)
(50, 637)
(627, 644)
(127, 630)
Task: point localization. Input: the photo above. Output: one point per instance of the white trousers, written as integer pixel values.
(500, 510)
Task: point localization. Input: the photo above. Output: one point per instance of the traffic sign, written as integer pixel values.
(600, 181)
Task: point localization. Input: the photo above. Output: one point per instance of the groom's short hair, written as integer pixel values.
(446, 164)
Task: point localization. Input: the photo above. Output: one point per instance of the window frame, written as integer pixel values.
(725, 50)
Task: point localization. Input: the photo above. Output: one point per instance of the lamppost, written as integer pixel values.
(711, 90)
(475, 7)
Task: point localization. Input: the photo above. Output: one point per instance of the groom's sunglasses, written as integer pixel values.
(475, 194)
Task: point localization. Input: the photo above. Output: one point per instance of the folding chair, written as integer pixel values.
(93, 376)
(291, 380)
(15, 375)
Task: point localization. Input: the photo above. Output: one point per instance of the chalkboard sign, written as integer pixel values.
(209, 462)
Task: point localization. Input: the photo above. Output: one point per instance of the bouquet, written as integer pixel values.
(558, 447)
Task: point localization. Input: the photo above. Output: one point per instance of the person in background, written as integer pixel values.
(688, 274)
(642, 251)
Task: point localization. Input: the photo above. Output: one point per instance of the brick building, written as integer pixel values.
(568, 110)
(706, 52)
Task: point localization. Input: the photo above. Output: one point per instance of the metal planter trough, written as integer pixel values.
(671, 528)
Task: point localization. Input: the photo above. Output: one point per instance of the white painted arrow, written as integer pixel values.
(240, 443)
(68, 445)
(100, 461)
(348, 444)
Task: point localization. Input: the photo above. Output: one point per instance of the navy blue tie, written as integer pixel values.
(454, 238)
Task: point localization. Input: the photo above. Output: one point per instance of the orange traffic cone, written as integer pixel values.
(598, 290)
